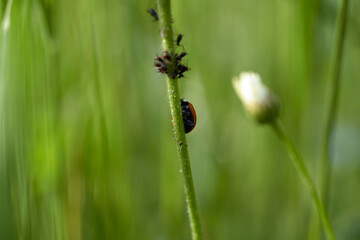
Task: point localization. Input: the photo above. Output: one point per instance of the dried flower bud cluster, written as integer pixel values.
(257, 99)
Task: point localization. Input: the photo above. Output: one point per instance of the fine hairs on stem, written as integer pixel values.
(167, 35)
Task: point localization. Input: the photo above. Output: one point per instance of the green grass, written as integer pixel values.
(86, 147)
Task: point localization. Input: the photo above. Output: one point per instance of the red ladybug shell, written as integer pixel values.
(189, 115)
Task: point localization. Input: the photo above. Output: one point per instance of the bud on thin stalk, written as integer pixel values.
(259, 102)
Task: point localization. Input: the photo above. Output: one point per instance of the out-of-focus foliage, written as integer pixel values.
(86, 149)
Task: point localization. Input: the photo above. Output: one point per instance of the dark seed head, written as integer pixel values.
(153, 13)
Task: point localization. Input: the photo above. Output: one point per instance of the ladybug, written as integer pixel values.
(188, 115)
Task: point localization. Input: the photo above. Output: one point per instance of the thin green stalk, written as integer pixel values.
(335, 87)
(304, 174)
(325, 159)
(167, 34)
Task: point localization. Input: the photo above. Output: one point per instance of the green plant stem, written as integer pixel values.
(304, 174)
(335, 87)
(166, 30)
(325, 157)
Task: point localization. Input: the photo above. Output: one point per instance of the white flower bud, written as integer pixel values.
(257, 99)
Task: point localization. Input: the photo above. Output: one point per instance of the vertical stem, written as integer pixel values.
(166, 30)
(325, 158)
(304, 174)
(335, 86)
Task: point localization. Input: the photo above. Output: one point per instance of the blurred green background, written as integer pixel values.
(86, 147)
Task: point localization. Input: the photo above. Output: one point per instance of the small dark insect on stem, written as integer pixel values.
(157, 58)
(183, 54)
(182, 68)
(166, 55)
(161, 64)
(153, 13)
(157, 64)
(178, 39)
